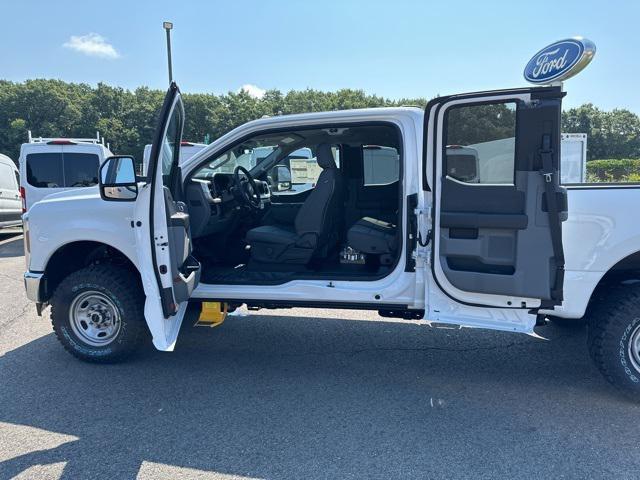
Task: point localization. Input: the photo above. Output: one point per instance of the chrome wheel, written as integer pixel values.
(634, 348)
(94, 318)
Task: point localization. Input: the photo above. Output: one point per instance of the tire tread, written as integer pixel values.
(123, 283)
(610, 311)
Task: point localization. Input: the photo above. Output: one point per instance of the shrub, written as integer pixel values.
(613, 170)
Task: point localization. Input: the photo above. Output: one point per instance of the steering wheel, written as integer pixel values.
(247, 188)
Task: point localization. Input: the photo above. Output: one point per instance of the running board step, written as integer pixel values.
(212, 314)
(404, 314)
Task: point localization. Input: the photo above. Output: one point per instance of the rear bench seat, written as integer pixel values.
(374, 237)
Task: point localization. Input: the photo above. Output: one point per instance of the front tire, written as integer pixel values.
(97, 313)
(614, 338)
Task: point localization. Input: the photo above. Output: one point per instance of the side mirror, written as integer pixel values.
(282, 177)
(118, 179)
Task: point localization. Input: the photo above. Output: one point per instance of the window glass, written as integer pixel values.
(576, 169)
(6, 177)
(80, 169)
(245, 155)
(612, 170)
(58, 170)
(381, 165)
(170, 142)
(304, 167)
(480, 143)
(44, 170)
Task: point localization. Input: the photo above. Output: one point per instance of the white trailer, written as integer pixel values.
(573, 158)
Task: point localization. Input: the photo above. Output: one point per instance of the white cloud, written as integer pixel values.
(93, 45)
(253, 90)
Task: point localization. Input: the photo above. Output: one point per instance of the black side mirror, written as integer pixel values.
(118, 179)
(282, 177)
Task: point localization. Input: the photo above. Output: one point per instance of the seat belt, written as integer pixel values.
(555, 225)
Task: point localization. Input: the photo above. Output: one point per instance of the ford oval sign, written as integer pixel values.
(559, 61)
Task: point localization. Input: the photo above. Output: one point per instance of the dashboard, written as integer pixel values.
(218, 188)
(214, 205)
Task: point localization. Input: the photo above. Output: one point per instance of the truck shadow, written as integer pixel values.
(287, 397)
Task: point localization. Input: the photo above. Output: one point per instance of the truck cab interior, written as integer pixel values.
(299, 204)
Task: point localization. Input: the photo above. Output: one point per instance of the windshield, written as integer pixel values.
(244, 156)
(250, 153)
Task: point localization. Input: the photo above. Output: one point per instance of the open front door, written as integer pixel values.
(492, 163)
(169, 272)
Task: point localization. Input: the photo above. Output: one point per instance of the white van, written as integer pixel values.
(50, 165)
(10, 205)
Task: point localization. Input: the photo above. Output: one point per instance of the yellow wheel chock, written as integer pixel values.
(212, 314)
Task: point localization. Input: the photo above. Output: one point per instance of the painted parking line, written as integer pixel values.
(11, 237)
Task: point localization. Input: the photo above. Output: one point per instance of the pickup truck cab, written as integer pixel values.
(471, 227)
(53, 165)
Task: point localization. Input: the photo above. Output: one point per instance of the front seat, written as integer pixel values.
(317, 225)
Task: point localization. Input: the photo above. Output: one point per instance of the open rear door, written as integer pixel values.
(493, 160)
(170, 273)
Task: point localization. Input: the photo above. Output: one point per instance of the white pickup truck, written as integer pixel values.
(464, 233)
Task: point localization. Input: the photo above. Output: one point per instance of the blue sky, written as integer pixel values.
(393, 48)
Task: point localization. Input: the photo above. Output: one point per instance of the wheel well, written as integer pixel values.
(77, 255)
(626, 269)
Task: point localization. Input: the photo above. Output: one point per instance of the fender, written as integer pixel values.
(597, 236)
(85, 218)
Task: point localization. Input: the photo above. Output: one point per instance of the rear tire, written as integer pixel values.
(97, 313)
(614, 337)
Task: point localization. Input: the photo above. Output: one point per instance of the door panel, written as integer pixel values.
(494, 238)
(164, 238)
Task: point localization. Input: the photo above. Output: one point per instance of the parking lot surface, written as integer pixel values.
(308, 394)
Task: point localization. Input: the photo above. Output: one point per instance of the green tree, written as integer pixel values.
(127, 119)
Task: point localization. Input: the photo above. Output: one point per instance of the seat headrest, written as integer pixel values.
(324, 156)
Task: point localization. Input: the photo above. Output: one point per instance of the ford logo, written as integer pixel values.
(560, 60)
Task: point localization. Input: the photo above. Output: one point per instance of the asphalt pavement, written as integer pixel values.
(308, 394)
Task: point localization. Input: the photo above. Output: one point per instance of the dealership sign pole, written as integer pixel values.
(168, 26)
